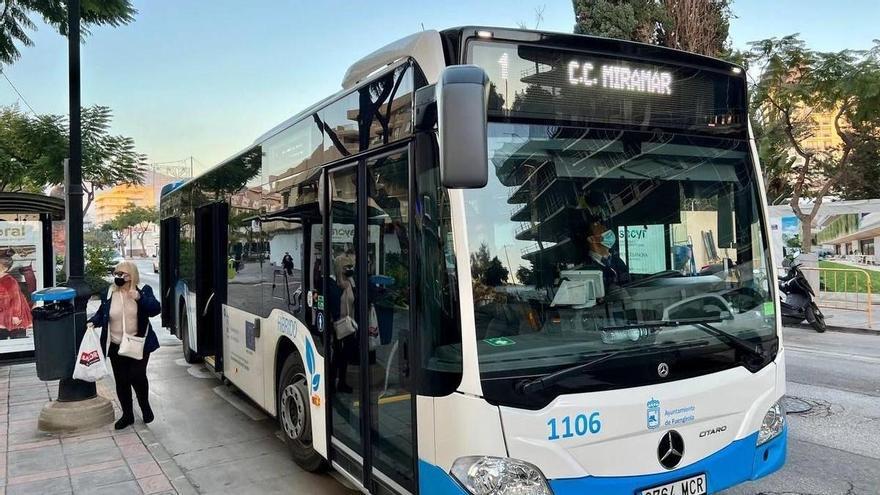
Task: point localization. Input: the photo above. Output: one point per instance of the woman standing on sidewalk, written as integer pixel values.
(128, 308)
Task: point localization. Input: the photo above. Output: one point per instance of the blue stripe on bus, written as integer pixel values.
(738, 462)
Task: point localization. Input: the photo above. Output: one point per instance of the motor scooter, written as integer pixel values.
(797, 299)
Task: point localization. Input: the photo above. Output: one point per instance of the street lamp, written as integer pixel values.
(78, 405)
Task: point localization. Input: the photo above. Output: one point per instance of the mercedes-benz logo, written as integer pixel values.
(663, 370)
(671, 449)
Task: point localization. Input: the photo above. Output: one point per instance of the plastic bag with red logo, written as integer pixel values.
(91, 365)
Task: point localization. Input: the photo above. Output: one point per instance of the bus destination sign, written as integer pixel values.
(547, 82)
(620, 77)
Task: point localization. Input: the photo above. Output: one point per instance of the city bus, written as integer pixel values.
(497, 261)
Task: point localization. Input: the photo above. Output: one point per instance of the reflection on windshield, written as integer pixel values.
(582, 233)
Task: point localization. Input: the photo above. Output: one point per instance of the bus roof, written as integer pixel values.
(427, 48)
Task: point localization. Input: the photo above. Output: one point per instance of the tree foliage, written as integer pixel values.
(33, 149)
(699, 26)
(794, 82)
(17, 18)
(137, 219)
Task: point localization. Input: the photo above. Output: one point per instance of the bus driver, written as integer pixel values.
(599, 242)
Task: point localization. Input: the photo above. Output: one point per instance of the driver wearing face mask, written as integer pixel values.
(600, 241)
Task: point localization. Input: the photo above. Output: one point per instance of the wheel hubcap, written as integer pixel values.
(293, 409)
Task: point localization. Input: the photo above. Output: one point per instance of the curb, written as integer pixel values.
(832, 328)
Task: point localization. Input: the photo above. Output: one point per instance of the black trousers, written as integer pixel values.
(130, 374)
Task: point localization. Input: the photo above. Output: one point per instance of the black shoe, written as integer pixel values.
(148, 414)
(123, 422)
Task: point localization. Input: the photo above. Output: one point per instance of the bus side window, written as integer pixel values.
(283, 268)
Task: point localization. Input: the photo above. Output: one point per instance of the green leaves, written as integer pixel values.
(699, 26)
(134, 216)
(794, 88)
(16, 19)
(33, 149)
(26, 146)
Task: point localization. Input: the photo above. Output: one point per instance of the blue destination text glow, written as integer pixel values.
(620, 77)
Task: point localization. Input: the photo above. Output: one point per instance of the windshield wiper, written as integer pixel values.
(732, 340)
(540, 383)
(702, 324)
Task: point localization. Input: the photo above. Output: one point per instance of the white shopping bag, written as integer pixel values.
(374, 329)
(90, 365)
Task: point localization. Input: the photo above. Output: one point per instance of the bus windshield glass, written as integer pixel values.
(589, 241)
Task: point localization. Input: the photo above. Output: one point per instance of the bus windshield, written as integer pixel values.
(589, 241)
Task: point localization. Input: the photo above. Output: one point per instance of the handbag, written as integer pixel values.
(344, 327)
(90, 364)
(131, 346)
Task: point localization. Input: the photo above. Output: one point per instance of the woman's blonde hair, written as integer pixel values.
(131, 269)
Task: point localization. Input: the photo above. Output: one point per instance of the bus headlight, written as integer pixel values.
(774, 422)
(499, 476)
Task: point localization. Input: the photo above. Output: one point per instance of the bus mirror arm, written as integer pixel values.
(462, 99)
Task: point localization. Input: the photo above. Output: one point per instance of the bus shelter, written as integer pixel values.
(27, 263)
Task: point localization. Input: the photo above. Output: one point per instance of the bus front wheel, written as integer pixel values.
(294, 415)
(188, 354)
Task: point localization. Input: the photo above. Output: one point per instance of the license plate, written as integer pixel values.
(691, 486)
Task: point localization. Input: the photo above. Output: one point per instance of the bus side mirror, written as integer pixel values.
(462, 97)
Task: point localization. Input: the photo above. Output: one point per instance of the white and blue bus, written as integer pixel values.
(497, 262)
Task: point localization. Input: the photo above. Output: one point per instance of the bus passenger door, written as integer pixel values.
(210, 268)
(367, 285)
(169, 253)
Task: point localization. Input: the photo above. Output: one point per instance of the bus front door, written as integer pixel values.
(368, 322)
(210, 267)
(169, 271)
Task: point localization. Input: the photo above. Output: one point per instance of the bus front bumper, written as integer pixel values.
(739, 462)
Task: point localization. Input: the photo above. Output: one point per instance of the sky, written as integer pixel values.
(205, 78)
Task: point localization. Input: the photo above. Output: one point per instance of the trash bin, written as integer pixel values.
(54, 333)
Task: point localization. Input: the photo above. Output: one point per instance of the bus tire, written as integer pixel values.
(189, 355)
(294, 415)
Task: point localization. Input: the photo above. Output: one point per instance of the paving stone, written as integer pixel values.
(24, 394)
(91, 445)
(28, 424)
(42, 475)
(145, 469)
(155, 484)
(28, 437)
(88, 468)
(14, 447)
(123, 488)
(51, 486)
(28, 410)
(96, 479)
(34, 460)
(92, 457)
(127, 439)
(133, 450)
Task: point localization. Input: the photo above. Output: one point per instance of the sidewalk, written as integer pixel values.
(95, 462)
(844, 320)
(205, 439)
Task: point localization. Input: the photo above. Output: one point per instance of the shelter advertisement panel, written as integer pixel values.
(21, 273)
